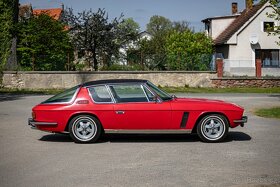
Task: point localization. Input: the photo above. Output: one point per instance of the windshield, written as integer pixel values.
(63, 97)
(163, 95)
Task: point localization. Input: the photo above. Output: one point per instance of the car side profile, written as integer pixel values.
(132, 106)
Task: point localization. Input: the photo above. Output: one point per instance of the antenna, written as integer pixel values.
(254, 39)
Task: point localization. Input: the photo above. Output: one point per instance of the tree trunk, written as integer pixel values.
(95, 62)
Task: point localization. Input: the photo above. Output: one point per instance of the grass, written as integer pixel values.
(220, 90)
(167, 89)
(30, 91)
(269, 112)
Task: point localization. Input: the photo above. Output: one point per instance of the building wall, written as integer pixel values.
(219, 25)
(242, 52)
(47, 80)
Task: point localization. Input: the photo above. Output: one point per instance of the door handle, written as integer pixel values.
(120, 112)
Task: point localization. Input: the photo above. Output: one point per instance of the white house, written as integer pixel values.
(123, 51)
(241, 38)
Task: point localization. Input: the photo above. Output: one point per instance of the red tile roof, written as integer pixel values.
(237, 24)
(53, 12)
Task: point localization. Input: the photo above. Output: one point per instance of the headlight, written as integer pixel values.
(33, 115)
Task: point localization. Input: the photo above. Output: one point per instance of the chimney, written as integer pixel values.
(249, 4)
(234, 8)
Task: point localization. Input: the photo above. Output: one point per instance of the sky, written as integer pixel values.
(192, 11)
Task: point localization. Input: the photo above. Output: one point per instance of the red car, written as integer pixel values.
(132, 106)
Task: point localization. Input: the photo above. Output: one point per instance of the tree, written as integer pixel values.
(276, 16)
(8, 35)
(129, 26)
(158, 25)
(96, 37)
(181, 26)
(188, 51)
(43, 44)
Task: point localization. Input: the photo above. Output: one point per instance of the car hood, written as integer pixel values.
(199, 104)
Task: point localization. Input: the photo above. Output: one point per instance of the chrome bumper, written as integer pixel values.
(243, 120)
(33, 123)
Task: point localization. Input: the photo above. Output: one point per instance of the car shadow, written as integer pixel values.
(56, 138)
(147, 138)
(10, 97)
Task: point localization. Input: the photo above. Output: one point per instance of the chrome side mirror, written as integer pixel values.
(173, 96)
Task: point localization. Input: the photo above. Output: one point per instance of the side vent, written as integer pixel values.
(184, 120)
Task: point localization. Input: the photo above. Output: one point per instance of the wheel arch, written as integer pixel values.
(202, 115)
(79, 114)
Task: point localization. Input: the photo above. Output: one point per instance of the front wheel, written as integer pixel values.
(85, 129)
(212, 128)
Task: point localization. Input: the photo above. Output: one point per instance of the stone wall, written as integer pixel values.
(246, 82)
(64, 79)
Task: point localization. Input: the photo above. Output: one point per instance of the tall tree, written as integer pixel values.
(93, 34)
(43, 44)
(8, 35)
(158, 25)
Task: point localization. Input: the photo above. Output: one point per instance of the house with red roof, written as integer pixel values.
(26, 11)
(242, 37)
(55, 13)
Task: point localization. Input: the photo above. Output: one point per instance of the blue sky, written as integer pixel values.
(192, 11)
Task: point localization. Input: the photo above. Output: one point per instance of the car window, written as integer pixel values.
(100, 94)
(128, 93)
(63, 97)
(149, 94)
(163, 95)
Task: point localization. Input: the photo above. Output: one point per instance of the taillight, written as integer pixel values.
(33, 115)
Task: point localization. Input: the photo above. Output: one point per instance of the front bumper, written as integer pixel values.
(34, 124)
(243, 120)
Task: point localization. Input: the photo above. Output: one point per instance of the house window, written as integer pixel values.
(269, 57)
(268, 26)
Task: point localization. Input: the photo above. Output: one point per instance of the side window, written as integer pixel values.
(128, 93)
(149, 94)
(100, 94)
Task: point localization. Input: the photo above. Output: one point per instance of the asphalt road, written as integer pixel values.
(250, 156)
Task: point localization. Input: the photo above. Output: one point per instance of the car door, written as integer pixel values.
(135, 108)
(102, 106)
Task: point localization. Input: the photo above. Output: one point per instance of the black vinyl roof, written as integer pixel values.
(112, 81)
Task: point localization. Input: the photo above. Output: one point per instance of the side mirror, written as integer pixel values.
(173, 96)
(156, 99)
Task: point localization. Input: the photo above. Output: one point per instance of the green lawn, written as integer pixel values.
(269, 112)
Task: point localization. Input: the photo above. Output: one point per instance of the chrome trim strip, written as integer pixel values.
(148, 131)
(33, 123)
(111, 94)
(145, 93)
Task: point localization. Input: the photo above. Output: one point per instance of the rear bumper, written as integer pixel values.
(33, 124)
(243, 120)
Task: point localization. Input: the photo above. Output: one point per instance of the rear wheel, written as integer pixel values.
(212, 128)
(85, 129)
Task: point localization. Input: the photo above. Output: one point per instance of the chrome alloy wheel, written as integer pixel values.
(213, 127)
(84, 128)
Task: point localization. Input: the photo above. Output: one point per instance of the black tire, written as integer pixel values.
(213, 128)
(85, 129)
